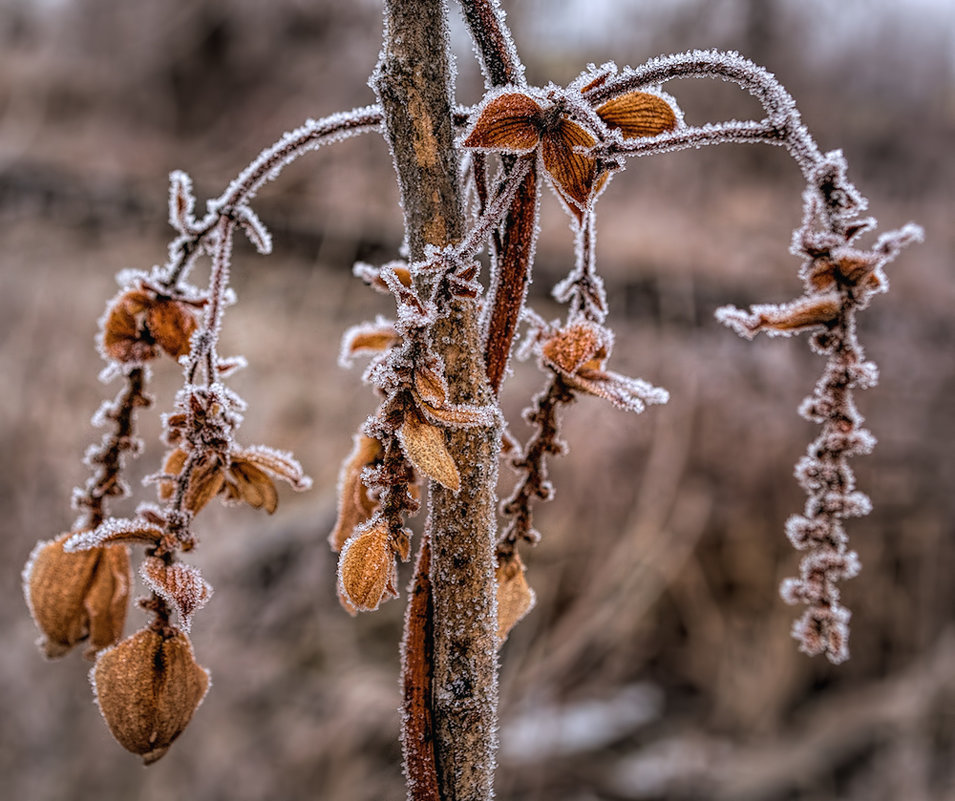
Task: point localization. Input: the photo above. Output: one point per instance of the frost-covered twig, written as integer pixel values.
(312, 135)
(437, 370)
(840, 279)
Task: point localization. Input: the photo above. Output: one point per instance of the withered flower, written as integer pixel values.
(516, 123)
(139, 323)
(77, 596)
(148, 688)
(578, 353)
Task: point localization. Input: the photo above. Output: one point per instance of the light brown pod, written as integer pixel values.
(148, 688)
(355, 504)
(423, 444)
(77, 596)
(172, 325)
(366, 569)
(578, 345)
(514, 597)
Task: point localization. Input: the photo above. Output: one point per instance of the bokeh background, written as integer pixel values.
(658, 663)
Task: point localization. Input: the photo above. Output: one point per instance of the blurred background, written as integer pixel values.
(658, 662)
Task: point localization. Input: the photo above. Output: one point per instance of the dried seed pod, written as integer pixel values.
(77, 596)
(579, 344)
(424, 445)
(366, 569)
(172, 325)
(148, 688)
(514, 597)
(124, 337)
(355, 505)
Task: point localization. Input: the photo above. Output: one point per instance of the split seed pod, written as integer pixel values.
(77, 596)
(148, 688)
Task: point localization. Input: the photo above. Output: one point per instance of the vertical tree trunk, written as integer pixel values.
(413, 83)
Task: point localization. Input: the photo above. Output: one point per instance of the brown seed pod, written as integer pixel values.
(579, 344)
(77, 596)
(148, 688)
(355, 504)
(514, 597)
(367, 569)
(124, 336)
(172, 325)
(424, 445)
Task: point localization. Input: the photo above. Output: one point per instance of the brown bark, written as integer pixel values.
(413, 84)
(417, 679)
(514, 263)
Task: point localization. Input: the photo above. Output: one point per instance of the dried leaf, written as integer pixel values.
(457, 416)
(630, 394)
(366, 567)
(807, 312)
(175, 461)
(148, 688)
(355, 506)
(371, 275)
(368, 338)
(638, 114)
(510, 122)
(514, 597)
(571, 171)
(172, 325)
(430, 386)
(181, 201)
(180, 585)
(280, 464)
(253, 485)
(205, 482)
(424, 446)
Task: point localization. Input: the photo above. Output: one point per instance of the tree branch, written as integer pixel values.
(414, 87)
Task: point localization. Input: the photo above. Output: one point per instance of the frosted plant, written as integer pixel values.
(470, 180)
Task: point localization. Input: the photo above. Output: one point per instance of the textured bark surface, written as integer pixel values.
(413, 84)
